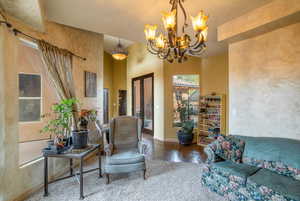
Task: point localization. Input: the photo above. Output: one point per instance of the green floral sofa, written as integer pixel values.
(253, 168)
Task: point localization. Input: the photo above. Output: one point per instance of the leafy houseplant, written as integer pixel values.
(185, 133)
(63, 125)
(61, 121)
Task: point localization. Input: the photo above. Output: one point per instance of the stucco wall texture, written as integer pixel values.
(17, 181)
(264, 84)
(141, 62)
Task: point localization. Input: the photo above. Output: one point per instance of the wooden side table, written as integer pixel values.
(72, 154)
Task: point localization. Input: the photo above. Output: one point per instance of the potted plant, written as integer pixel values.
(63, 127)
(80, 136)
(59, 124)
(185, 133)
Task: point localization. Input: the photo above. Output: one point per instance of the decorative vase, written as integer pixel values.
(79, 139)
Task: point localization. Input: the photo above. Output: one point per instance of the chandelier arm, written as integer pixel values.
(163, 55)
(198, 51)
(167, 54)
(151, 49)
(171, 37)
(196, 43)
(154, 49)
(200, 43)
(179, 52)
(175, 53)
(155, 53)
(173, 3)
(185, 50)
(185, 16)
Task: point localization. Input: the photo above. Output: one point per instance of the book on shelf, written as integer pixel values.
(211, 118)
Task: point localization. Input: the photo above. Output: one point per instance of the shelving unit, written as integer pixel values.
(212, 117)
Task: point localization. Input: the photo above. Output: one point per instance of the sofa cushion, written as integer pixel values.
(229, 168)
(125, 157)
(230, 148)
(286, 186)
(271, 153)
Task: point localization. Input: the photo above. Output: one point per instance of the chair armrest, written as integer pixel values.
(108, 149)
(107, 146)
(143, 148)
(210, 151)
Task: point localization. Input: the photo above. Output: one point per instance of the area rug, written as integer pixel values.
(166, 182)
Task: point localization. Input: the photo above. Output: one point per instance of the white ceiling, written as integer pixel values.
(110, 43)
(28, 11)
(126, 18)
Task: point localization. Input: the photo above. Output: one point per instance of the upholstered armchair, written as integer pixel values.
(123, 147)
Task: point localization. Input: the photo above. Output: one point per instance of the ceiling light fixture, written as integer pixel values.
(119, 53)
(172, 46)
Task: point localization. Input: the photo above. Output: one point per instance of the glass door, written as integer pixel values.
(142, 104)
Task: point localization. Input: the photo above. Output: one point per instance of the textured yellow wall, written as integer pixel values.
(108, 80)
(214, 77)
(192, 66)
(119, 82)
(16, 181)
(141, 62)
(261, 19)
(264, 84)
(115, 73)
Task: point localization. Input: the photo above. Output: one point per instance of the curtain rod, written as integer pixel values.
(16, 32)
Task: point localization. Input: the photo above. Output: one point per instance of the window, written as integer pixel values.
(29, 97)
(186, 93)
(36, 96)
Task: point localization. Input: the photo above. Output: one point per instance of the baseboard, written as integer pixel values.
(171, 140)
(167, 140)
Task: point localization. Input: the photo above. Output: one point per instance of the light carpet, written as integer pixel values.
(166, 182)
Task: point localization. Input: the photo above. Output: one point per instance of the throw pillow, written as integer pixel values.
(230, 148)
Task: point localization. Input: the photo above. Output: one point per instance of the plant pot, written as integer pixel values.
(80, 138)
(68, 141)
(185, 138)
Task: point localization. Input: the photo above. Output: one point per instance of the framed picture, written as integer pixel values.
(90, 84)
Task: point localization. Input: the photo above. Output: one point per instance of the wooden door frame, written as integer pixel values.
(106, 89)
(141, 78)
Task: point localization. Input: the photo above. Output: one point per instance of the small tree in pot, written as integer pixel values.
(185, 133)
(62, 126)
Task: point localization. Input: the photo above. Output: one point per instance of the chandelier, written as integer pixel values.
(119, 53)
(171, 45)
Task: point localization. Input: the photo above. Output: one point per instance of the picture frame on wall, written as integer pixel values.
(90, 80)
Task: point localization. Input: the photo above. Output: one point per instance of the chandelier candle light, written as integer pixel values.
(173, 46)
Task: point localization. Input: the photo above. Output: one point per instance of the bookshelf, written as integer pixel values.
(212, 118)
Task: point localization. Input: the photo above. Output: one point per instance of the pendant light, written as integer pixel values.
(119, 53)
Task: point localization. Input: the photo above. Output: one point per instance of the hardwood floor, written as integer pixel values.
(173, 152)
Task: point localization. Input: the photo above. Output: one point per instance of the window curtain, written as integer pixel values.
(58, 68)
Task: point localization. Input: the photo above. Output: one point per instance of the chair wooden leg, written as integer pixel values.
(107, 178)
(145, 174)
